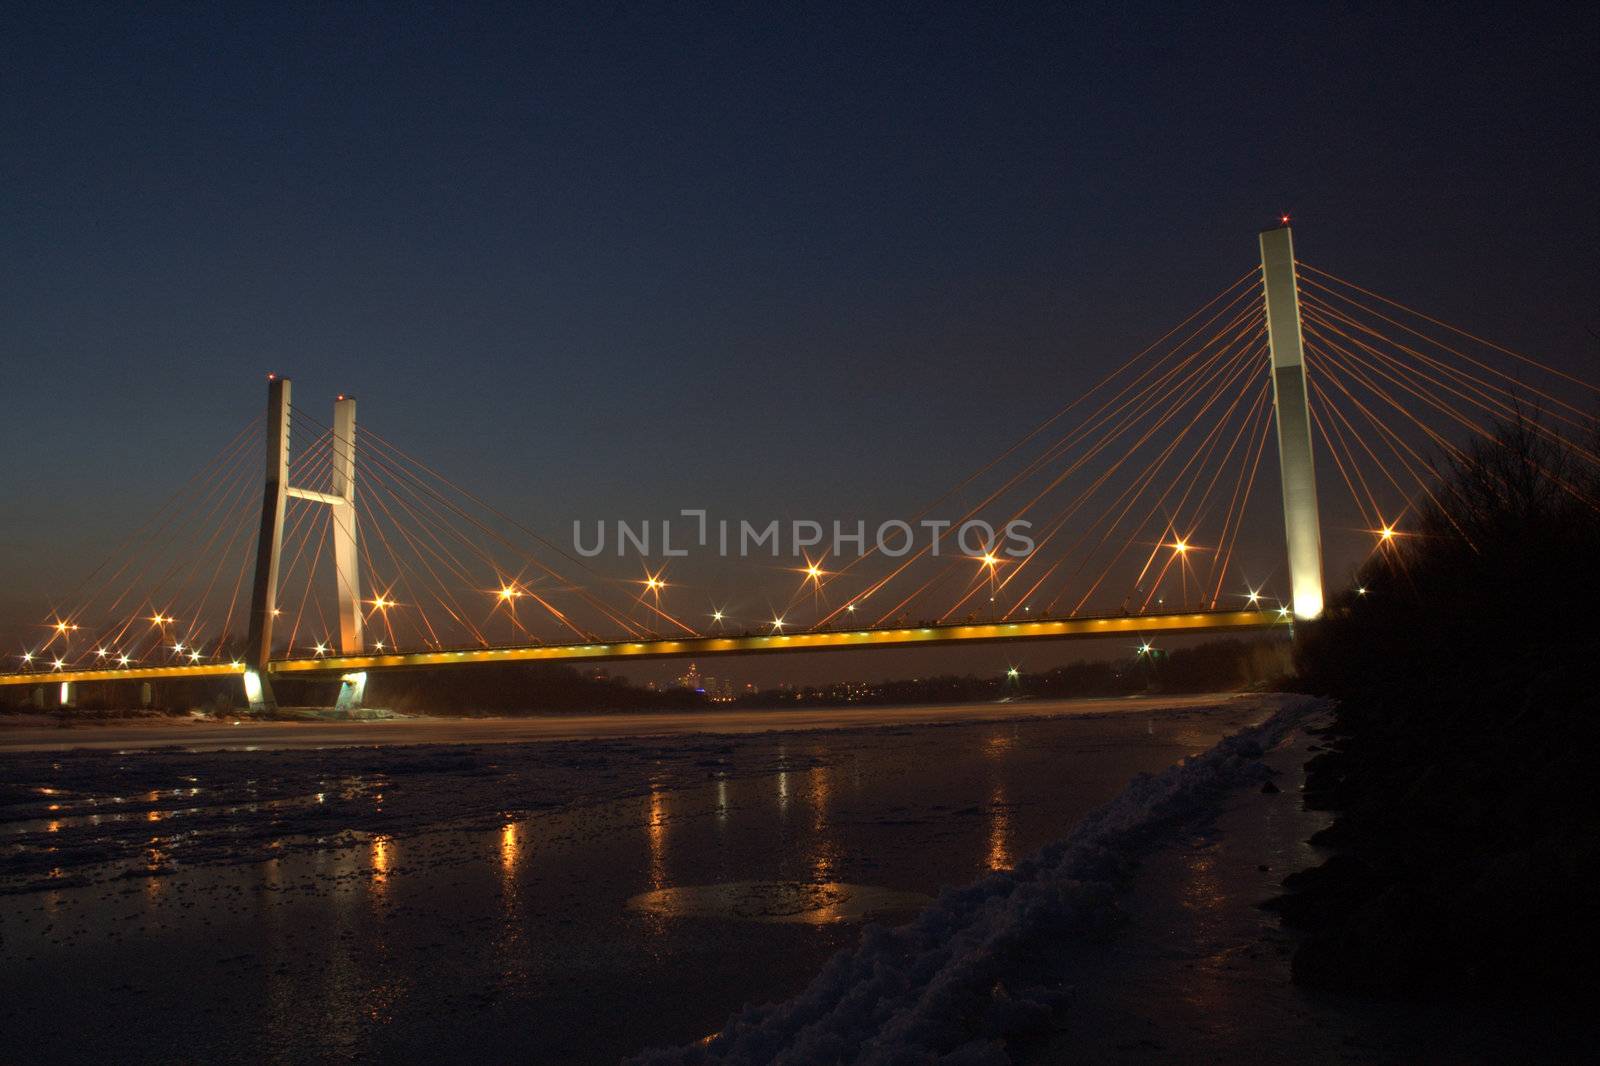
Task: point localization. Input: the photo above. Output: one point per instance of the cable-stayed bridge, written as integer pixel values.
(346, 554)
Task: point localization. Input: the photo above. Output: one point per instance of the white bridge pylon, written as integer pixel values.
(269, 549)
(1292, 408)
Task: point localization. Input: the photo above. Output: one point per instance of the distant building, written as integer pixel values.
(719, 689)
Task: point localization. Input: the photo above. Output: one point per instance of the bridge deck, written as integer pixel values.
(697, 647)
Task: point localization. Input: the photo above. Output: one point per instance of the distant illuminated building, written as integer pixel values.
(717, 689)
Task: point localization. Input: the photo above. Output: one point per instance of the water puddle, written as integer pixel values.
(779, 901)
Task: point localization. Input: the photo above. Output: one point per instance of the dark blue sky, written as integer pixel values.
(607, 260)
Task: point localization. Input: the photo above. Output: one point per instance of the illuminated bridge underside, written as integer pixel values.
(697, 647)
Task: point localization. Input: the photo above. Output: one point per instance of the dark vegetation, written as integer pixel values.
(1215, 666)
(1461, 759)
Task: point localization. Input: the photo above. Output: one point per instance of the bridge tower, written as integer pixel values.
(269, 548)
(1291, 407)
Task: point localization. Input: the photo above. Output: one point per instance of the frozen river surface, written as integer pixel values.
(531, 890)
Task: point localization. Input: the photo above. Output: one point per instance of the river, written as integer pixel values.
(534, 891)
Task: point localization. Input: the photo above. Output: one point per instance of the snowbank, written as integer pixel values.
(949, 986)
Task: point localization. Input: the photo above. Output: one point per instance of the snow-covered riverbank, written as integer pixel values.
(1139, 937)
(977, 971)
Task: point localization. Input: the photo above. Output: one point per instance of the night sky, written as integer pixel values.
(606, 261)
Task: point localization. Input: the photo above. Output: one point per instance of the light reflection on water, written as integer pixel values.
(997, 744)
(1204, 896)
(783, 781)
(826, 849)
(1001, 848)
(84, 810)
(510, 937)
(657, 834)
(806, 903)
(510, 849)
(382, 862)
(1000, 856)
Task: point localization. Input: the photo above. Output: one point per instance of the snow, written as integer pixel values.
(949, 986)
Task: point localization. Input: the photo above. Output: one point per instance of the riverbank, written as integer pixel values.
(28, 733)
(1140, 937)
(1460, 764)
(1201, 972)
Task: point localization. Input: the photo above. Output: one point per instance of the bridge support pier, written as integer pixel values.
(269, 548)
(1291, 406)
(346, 565)
(352, 689)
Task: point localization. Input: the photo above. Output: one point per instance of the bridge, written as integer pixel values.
(1135, 497)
